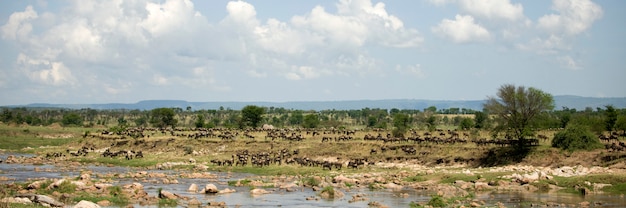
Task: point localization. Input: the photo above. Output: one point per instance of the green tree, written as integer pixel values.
(620, 124)
(466, 123)
(311, 121)
(480, 119)
(163, 117)
(576, 137)
(516, 107)
(371, 121)
(431, 121)
(296, 118)
(611, 117)
(199, 121)
(6, 116)
(72, 119)
(252, 115)
(401, 123)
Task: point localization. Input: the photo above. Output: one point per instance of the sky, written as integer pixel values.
(114, 51)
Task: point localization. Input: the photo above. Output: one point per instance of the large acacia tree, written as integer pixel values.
(163, 117)
(516, 107)
(252, 115)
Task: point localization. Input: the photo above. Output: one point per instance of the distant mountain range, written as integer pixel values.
(568, 101)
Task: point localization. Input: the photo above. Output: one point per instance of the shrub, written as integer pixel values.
(437, 201)
(576, 137)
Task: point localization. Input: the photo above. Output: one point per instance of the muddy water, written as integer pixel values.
(282, 198)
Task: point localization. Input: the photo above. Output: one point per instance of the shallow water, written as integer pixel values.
(280, 197)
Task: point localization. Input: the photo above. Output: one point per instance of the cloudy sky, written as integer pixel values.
(272, 50)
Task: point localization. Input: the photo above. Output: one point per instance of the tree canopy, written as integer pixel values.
(516, 107)
(163, 117)
(252, 115)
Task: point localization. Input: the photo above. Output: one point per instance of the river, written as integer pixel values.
(282, 198)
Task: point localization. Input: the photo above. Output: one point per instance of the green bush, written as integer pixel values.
(576, 137)
(437, 201)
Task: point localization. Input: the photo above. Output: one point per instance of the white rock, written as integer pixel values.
(86, 204)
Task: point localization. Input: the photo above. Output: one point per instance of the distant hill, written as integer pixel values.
(568, 101)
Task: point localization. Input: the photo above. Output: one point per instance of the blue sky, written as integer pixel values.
(126, 51)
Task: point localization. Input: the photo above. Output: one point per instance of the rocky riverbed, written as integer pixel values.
(38, 180)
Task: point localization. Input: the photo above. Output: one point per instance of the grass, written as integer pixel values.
(416, 178)
(570, 184)
(168, 203)
(311, 181)
(329, 190)
(242, 182)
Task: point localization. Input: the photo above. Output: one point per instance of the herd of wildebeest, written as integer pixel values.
(139, 138)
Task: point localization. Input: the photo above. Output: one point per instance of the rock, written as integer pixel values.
(256, 192)
(36, 184)
(43, 199)
(217, 204)
(584, 204)
(376, 204)
(102, 185)
(16, 200)
(358, 197)
(86, 204)
(192, 161)
(474, 204)
(104, 203)
(334, 194)
(194, 202)
(393, 186)
(481, 186)
(227, 191)
(85, 177)
(167, 195)
(56, 184)
(210, 189)
(463, 184)
(343, 179)
(193, 188)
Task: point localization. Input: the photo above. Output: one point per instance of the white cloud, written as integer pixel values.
(292, 76)
(413, 70)
(18, 27)
(441, 2)
(98, 46)
(569, 63)
(356, 23)
(549, 45)
(44, 71)
(461, 30)
(574, 17)
(493, 9)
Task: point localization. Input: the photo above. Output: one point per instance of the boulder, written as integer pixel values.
(86, 204)
(210, 189)
(167, 195)
(194, 203)
(193, 188)
(343, 179)
(104, 203)
(217, 204)
(36, 184)
(227, 191)
(257, 192)
(481, 186)
(393, 186)
(42, 199)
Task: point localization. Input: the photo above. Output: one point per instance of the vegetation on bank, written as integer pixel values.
(542, 136)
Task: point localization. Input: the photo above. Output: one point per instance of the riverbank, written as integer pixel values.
(310, 172)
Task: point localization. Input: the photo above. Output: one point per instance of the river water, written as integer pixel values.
(282, 198)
